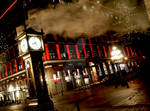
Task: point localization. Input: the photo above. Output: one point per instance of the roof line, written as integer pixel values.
(1, 16)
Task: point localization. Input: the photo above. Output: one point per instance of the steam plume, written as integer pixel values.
(91, 18)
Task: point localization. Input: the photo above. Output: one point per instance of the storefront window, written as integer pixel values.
(116, 69)
(124, 67)
(100, 71)
(105, 69)
(129, 64)
(85, 72)
(78, 78)
(56, 76)
(132, 63)
(67, 76)
(86, 76)
(110, 68)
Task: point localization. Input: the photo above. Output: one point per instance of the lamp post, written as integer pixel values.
(31, 47)
(116, 57)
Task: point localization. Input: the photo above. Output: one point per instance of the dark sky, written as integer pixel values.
(4, 5)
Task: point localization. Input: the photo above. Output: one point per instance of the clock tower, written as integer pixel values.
(31, 47)
(28, 43)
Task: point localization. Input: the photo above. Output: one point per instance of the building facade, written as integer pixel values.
(69, 63)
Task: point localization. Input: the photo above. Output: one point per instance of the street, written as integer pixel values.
(99, 98)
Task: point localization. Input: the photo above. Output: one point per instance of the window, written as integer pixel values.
(107, 51)
(13, 67)
(56, 76)
(19, 65)
(52, 51)
(95, 50)
(110, 68)
(88, 51)
(102, 51)
(72, 51)
(81, 52)
(63, 51)
(105, 69)
(99, 71)
(8, 69)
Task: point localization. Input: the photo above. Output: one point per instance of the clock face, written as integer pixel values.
(35, 43)
(24, 45)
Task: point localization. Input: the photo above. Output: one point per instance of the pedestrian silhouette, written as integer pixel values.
(124, 81)
(117, 79)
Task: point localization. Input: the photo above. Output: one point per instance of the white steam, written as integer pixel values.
(89, 17)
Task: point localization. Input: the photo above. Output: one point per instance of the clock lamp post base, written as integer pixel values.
(36, 81)
(44, 102)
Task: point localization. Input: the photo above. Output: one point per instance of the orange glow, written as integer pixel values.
(90, 44)
(99, 53)
(58, 51)
(68, 51)
(104, 48)
(84, 49)
(77, 51)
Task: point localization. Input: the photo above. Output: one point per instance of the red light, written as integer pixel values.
(58, 51)
(8, 9)
(68, 51)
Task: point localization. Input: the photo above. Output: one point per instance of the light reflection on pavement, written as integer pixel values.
(99, 98)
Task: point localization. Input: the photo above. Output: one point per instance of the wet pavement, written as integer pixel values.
(107, 98)
(99, 98)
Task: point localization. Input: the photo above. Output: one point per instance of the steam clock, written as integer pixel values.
(31, 47)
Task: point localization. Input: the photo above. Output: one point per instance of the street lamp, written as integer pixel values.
(117, 57)
(116, 54)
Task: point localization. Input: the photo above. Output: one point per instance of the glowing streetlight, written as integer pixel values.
(125, 58)
(116, 54)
